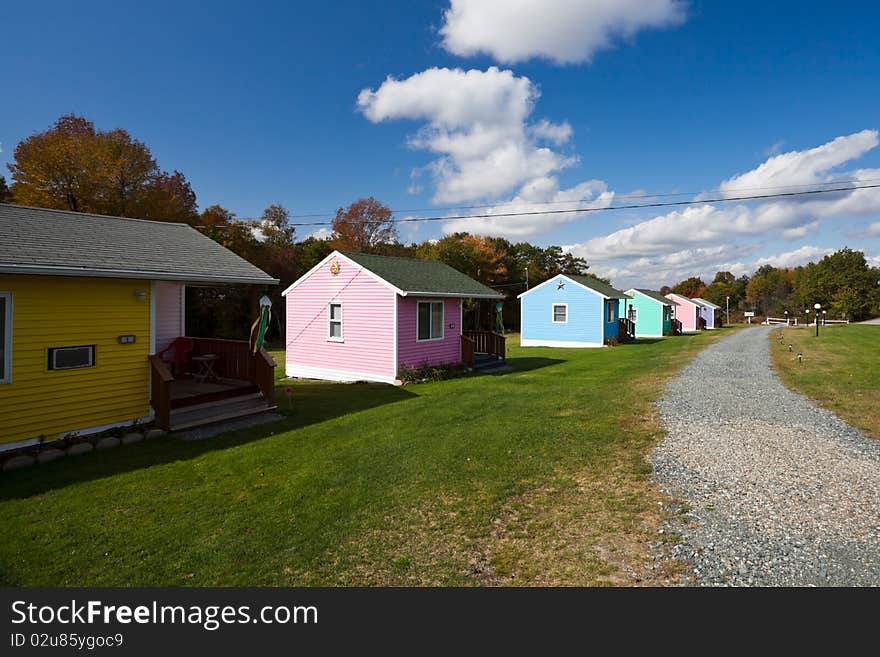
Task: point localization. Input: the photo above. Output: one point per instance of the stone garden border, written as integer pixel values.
(24, 457)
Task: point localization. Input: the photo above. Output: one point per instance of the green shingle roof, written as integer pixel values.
(62, 243)
(655, 295)
(413, 276)
(600, 287)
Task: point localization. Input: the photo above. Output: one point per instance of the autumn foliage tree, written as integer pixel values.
(364, 226)
(74, 166)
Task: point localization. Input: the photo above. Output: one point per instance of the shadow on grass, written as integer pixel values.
(311, 403)
(529, 363)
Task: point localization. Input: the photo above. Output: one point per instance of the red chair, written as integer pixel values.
(178, 357)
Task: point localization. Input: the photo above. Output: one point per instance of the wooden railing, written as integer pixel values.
(264, 375)
(160, 389)
(467, 351)
(488, 342)
(626, 329)
(676, 327)
(235, 360)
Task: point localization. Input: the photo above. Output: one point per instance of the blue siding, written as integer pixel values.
(586, 314)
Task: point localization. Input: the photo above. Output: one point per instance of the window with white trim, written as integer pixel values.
(560, 313)
(5, 337)
(71, 358)
(334, 315)
(609, 310)
(429, 321)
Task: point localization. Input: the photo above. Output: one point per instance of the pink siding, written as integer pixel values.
(367, 323)
(169, 305)
(412, 353)
(685, 312)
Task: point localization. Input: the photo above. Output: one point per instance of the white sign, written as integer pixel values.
(749, 313)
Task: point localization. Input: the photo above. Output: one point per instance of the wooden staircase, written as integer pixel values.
(222, 410)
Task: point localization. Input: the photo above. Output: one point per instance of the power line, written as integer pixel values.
(632, 206)
(587, 200)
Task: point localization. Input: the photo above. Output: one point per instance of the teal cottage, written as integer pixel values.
(569, 311)
(650, 311)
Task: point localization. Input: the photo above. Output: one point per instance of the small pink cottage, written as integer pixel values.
(687, 311)
(360, 317)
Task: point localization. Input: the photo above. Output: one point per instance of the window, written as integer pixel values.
(609, 310)
(335, 317)
(633, 314)
(5, 338)
(429, 321)
(560, 313)
(69, 358)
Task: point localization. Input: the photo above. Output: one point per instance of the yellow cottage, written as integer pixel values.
(92, 328)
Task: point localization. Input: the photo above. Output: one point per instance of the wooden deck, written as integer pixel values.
(188, 392)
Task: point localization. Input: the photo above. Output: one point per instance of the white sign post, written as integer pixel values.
(749, 314)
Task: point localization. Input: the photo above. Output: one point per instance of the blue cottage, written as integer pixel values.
(569, 311)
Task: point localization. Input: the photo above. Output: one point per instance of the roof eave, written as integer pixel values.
(55, 270)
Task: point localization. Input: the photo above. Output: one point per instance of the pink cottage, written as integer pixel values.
(687, 311)
(360, 317)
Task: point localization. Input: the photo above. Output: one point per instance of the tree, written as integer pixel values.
(365, 226)
(275, 226)
(5, 194)
(73, 166)
(691, 287)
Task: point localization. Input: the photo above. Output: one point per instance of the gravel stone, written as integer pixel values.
(108, 442)
(782, 493)
(130, 438)
(20, 461)
(80, 448)
(50, 455)
(154, 433)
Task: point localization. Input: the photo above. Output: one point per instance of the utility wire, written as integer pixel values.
(632, 206)
(616, 196)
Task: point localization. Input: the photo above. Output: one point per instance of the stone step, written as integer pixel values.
(221, 415)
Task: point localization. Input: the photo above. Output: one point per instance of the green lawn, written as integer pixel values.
(840, 369)
(534, 477)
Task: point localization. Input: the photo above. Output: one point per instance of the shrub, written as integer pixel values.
(427, 373)
(611, 342)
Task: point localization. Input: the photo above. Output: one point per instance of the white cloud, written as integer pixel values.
(320, 234)
(477, 123)
(558, 133)
(806, 167)
(565, 31)
(795, 258)
(718, 224)
(716, 236)
(539, 196)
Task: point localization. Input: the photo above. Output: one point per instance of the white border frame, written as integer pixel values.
(553, 307)
(430, 321)
(293, 371)
(330, 321)
(7, 346)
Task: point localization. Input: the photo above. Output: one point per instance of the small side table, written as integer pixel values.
(205, 363)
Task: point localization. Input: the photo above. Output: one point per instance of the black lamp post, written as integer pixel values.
(786, 318)
(817, 307)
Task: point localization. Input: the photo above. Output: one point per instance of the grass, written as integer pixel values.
(534, 477)
(840, 369)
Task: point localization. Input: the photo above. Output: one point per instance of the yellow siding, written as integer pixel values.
(53, 311)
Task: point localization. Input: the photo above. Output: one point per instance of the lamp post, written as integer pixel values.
(727, 304)
(824, 312)
(817, 307)
(786, 318)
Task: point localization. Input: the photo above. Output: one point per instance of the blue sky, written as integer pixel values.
(258, 103)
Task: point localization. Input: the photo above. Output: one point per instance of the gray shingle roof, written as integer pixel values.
(412, 275)
(57, 242)
(707, 303)
(656, 296)
(600, 287)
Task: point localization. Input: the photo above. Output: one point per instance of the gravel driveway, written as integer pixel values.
(781, 492)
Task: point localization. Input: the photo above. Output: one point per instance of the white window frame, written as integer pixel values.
(430, 320)
(92, 361)
(609, 310)
(7, 345)
(553, 308)
(330, 322)
(634, 314)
